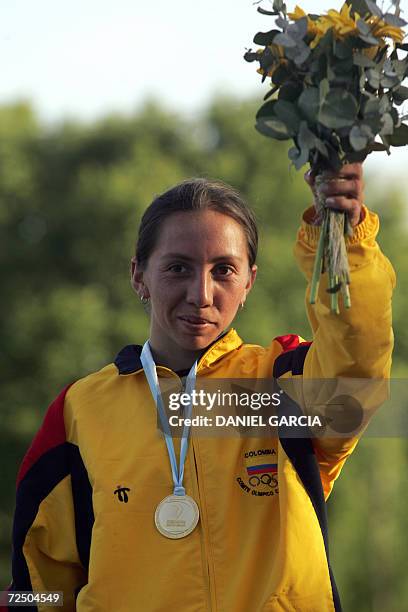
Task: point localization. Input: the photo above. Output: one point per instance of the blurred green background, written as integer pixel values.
(70, 200)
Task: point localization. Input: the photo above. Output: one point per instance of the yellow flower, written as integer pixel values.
(278, 53)
(299, 13)
(343, 25)
(370, 52)
(383, 30)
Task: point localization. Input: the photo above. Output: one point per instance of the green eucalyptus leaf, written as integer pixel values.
(265, 38)
(270, 93)
(302, 55)
(386, 143)
(335, 160)
(400, 94)
(265, 12)
(377, 146)
(388, 67)
(374, 122)
(298, 158)
(358, 156)
(394, 20)
(358, 140)
(400, 136)
(375, 10)
(273, 128)
(363, 27)
(373, 78)
(366, 130)
(298, 30)
(266, 59)
(384, 104)
(267, 110)
(285, 40)
(331, 75)
(302, 159)
(306, 138)
(293, 153)
(358, 6)
(321, 147)
(287, 113)
(343, 49)
(362, 60)
(399, 67)
(324, 88)
(290, 91)
(280, 75)
(339, 109)
(279, 6)
(389, 81)
(308, 103)
(372, 107)
(251, 56)
(344, 67)
(395, 117)
(281, 23)
(370, 40)
(388, 125)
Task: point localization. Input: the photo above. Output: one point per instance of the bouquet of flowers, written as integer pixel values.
(337, 92)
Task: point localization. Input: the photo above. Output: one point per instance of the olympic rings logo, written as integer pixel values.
(266, 479)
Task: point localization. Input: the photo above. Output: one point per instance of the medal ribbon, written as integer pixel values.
(149, 368)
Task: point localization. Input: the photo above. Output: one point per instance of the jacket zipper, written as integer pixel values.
(205, 545)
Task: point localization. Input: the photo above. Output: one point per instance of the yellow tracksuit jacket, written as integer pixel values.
(91, 481)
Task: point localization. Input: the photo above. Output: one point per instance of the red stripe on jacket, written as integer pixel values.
(288, 342)
(50, 434)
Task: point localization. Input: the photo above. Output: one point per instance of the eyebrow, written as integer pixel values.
(184, 257)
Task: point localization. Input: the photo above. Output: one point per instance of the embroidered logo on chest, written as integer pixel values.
(259, 476)
(122, 493)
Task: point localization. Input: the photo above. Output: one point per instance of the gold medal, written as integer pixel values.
(176, 516)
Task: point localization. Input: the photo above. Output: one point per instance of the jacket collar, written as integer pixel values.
(128, 361)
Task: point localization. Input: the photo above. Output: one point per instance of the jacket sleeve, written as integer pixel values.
(45, 548)
(357, 343)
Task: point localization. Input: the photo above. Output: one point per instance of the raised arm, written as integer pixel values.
(358, 342)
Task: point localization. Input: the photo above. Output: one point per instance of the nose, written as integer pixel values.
(200, 290)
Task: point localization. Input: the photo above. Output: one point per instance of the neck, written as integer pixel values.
(181, 360)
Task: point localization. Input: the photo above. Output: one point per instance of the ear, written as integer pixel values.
(136, 279)
(251, 279)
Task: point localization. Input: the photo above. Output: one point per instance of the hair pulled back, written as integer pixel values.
(194, 195)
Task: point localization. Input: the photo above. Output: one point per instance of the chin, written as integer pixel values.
(198, 342)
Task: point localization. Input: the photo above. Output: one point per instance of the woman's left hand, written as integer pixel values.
(344, 191)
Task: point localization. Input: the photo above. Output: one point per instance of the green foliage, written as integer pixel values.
(70, 200)
(348, 65)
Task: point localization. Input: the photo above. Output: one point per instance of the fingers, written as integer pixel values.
(350, 206)
(342, 187)
(344, 190)
(348, 171)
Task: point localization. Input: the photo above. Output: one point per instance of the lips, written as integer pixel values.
(193, 320)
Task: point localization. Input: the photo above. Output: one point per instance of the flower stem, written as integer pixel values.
(319, 259)
(331, 255)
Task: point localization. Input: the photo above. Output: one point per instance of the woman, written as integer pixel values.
(95, 515)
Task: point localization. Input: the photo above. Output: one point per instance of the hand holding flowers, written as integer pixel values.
(336, 86)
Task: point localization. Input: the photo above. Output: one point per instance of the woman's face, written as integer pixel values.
(196, 278)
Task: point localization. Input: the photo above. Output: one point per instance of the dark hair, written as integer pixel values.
(190, 195)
